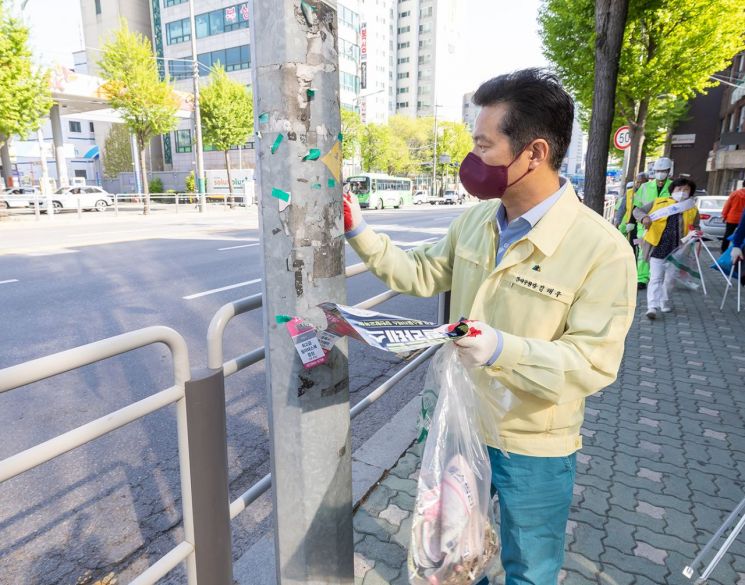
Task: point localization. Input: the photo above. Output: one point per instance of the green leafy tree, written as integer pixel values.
(25, 95)
(117, 151)
(147, 105)
(190, 183)
(375, 147)
(227, 115)
(351, 130)
(670, 50)
(454, 142)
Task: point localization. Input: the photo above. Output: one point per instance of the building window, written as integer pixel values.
(91, 127)
(180, 69)
(183, 140)
(404, 14)
(232, 59)
(173, 2)
(402, 105)
(403, 60)
(403, 90)
(405, 45)
(349, 82)
(178, 31)
(74, 126)
(81, 174)
(425, 12)
(425, 28)
(98, 6)
(220, 21)
(348, 17)
(404, 29)
(403, 75)
(349, 50)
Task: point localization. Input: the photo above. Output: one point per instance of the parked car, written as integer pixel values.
(420, 197)
(19, 197)
(91, 197)
(710, 209)
(451, 198)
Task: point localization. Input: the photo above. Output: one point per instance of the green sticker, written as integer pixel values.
(307, 12)
(315, 186)
(277, 142)
(331, 183)
(340, 136)
(282, 195)
(263, 117)
(282, 319)
(313, 154)
(311, 92)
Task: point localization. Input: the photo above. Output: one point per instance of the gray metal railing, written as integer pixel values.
(201, 430)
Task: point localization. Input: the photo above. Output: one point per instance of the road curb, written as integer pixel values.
(370, 463)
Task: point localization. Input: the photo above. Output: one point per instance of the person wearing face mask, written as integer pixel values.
(666, 220)
(550, 287)
(647, 194)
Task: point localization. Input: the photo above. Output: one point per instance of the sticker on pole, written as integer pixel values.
(622, 138)
(390, 333)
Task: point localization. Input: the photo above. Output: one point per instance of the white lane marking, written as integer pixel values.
(217, 290)
(8, 281)
(236, 247)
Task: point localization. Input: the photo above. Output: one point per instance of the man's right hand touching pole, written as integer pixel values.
(352, 212)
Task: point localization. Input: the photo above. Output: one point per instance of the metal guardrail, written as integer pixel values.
(215, 360)
(200, 405)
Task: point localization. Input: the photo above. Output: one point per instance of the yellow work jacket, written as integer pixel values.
(563, 297)
(654, 231)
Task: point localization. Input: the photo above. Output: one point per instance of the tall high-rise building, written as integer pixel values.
(427, 44)
(377, 60)
(470, 110)
(222, 36)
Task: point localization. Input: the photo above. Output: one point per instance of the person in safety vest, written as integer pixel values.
(624, 219)
(666, 221)
(550, 287)
(646, 194)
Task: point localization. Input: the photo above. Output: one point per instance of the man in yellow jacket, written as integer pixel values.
(552, 288)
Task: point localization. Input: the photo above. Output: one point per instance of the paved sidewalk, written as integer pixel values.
(663, 461)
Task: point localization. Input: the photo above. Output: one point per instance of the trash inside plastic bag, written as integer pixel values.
(454, 536)
(684, 259)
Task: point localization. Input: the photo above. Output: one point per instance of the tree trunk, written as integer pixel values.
(7, 165)
(610, 22)
(231, 199)
(637, 141)
(143, 171)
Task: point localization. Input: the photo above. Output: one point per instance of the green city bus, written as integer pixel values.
(377, 191)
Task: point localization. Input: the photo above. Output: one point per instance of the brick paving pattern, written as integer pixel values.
(663, 461)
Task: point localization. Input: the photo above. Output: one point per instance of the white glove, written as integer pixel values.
(736, 255)
(478, 345)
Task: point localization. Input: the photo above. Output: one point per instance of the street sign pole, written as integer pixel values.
(197, 114)
(298, 152)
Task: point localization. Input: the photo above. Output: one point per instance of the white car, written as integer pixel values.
(91, 197)
(420, 197)
(19, 197)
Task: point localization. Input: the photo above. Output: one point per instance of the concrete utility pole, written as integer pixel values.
(197, 114)
(296, 109)
(434, 157)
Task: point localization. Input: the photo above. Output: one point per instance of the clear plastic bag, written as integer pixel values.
(454, 536)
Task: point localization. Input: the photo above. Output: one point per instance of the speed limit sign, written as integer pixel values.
(622, 138)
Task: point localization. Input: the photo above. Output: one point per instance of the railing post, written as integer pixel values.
(204, 398)
(116, 204)
(443, 307)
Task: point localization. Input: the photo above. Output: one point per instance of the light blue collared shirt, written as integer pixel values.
(511, 232)
(518, 228)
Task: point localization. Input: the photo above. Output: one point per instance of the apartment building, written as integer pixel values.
(427, 43)
(222, 36)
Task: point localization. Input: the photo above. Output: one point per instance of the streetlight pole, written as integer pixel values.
(434, 157)
(197, 115)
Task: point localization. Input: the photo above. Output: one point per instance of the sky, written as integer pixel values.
(499, 36)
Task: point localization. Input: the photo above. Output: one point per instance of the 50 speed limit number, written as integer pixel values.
(622, 138)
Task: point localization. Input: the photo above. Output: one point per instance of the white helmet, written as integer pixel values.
(629, 184)
(663, 164)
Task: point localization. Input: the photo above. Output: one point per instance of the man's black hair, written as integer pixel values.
(683, 182)
(537, 107)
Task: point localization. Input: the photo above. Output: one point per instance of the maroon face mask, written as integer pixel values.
(485, 181)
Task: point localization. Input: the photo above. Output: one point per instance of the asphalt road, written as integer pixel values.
(113, 506)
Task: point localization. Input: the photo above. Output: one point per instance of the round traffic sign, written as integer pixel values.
(622, 138)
